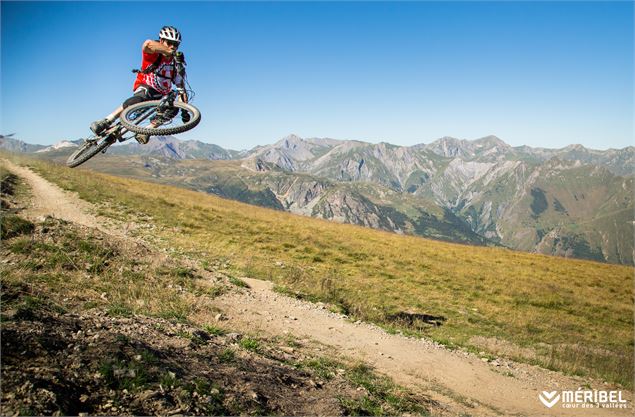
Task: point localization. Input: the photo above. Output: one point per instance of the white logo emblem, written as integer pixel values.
(549, 399)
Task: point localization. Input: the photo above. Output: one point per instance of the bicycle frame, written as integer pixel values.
(118, 130)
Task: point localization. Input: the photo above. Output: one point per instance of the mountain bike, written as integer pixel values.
(152, 118)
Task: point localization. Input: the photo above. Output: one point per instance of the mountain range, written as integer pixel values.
(573, 201)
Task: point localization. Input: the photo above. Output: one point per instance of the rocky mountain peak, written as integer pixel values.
(449, 147)
(11, 144)
(490, 140)
(59, 145)
(290, 141)
(575, 147)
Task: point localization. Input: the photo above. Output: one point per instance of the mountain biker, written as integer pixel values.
(154, 80)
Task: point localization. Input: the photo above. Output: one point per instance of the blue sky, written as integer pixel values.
(536, 73)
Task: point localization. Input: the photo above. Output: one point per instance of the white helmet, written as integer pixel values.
(170, 33)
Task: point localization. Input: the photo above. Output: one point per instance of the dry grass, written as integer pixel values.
(572, 315)
(55, 268)
(90, 270)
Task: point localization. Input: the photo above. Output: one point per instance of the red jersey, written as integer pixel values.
(162, 77)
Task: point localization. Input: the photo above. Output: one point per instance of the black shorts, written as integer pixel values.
(142, 93)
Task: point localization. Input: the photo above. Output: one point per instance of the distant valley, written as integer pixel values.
(571, 202)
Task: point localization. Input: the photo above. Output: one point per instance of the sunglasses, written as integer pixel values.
(173, 43)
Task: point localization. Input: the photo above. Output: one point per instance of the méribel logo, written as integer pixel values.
(549, 399)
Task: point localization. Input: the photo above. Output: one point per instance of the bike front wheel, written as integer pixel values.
(88, 149)
(142, 118)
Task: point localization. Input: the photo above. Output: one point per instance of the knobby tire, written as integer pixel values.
(86, 151)
(195, 118)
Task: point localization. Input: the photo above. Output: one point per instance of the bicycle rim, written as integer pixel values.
(87, 150)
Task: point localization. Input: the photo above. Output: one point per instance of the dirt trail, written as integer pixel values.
(48, 199)
(462, 383)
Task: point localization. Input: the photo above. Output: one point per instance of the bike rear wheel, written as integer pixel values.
(135, 118)
(88, 149)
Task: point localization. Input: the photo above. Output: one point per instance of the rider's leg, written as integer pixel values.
(142, 93)
(100, 125)
(113, 116)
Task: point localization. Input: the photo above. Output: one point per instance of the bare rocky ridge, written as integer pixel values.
(486, 185)
(479, 191)
(459, 382)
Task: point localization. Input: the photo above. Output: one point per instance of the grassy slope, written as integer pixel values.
(593, 205)
(112, 327)
(570, 315)
(412, 214)
(584, 204)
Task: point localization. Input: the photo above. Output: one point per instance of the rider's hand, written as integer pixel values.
(179, 57)
(185, 116)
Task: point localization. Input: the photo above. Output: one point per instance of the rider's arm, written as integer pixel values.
(183, 97)
(153, 47)
(183, 94)
(180, 83)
